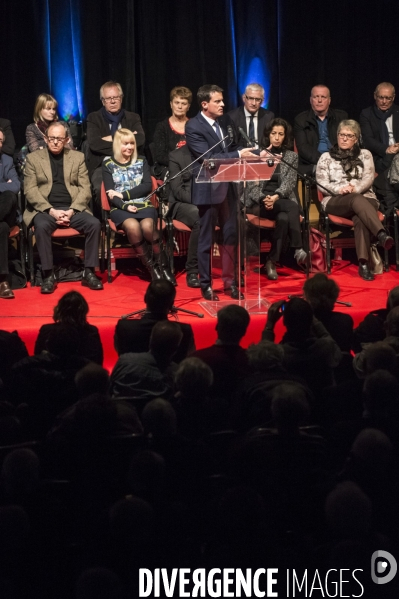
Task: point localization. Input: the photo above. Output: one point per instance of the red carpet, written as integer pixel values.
(30, 309)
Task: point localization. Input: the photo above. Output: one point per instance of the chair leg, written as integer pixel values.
(169, 229)
(396, 235)
(328, 246)
(109, 254)
(30, 255)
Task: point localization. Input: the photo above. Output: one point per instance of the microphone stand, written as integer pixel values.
(174, 309)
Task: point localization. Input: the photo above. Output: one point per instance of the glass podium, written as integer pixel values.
(246, 258)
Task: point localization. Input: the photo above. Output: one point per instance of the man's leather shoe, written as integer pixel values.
(270, 268)
(385, 240)
(192, 280)
(209, 294)
(234, 293)
(90, 280)
(6, 291)
(49, 285)
(365, 272)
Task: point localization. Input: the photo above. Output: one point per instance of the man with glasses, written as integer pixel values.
(315, 130)
(251, 117)
(101, 126)
(380, 126)
(57, 189)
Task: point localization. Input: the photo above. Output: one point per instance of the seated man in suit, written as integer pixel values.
(315, 130)
(251, 117)
(101, 126)
(9, 187)
(9, 141)
(57, 189)
(181, 208)
(134, 335)
(380, 127)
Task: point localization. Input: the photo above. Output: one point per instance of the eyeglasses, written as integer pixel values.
(346, 136)
(56, 139)
(388, 98)
(257, 100)
(112, 99)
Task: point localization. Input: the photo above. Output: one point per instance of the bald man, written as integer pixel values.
(315, 130)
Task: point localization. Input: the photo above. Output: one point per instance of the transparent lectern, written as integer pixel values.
(247, 267)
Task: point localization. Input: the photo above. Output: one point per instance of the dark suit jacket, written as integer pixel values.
(238, 117)
(90, 343)
(200, 137)
(307, 133)
(38, 182)
(180, 188)
(9, 144)
(371, 130)
(134, 336)
(229, 364)
(97, 128)
(7, 172)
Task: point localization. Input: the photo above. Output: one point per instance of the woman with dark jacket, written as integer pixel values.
(276, 199)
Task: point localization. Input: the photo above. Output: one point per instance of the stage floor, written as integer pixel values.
(29, 310)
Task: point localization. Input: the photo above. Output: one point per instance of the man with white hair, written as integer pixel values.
(380, 126)
(251, 116)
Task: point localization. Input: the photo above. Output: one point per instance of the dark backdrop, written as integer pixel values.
(152, 45)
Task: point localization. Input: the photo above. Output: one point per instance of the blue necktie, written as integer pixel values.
(218, 130)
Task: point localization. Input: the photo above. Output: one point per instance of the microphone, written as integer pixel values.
(245, 136)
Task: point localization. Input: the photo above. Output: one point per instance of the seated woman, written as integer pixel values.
(276, 199)
(170, 133)
(127, 181)
(347, 173)
(44, 113)
(72, 310)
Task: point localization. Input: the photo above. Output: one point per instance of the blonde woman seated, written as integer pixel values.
(44, 113)
(127, 181)
(348, 173)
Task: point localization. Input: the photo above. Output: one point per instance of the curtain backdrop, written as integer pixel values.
(149, 46)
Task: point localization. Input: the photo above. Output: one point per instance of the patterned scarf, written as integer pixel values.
(349, 160)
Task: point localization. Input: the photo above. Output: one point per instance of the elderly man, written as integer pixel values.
(251, 117)
(57, 189)
(9, 187)
(380, 126)
(101, 126)
(316, 129)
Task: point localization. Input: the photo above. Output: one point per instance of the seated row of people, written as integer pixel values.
(170, 136)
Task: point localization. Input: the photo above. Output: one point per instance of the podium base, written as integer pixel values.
(253, 306)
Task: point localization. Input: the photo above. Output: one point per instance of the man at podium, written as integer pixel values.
(216, 202)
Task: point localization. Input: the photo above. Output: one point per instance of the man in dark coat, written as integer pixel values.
(101, 126)
(315, 130)
(133, 336)
(380, 126)
(251, 117)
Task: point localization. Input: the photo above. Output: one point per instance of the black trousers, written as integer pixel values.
(8, 212)
(189, 215)
(84, 222)
(286, 214)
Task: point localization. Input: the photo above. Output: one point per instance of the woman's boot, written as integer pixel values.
(162, 261)
(143, 252)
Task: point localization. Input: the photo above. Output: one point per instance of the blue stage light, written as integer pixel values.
(256, 72)
(64, 58)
